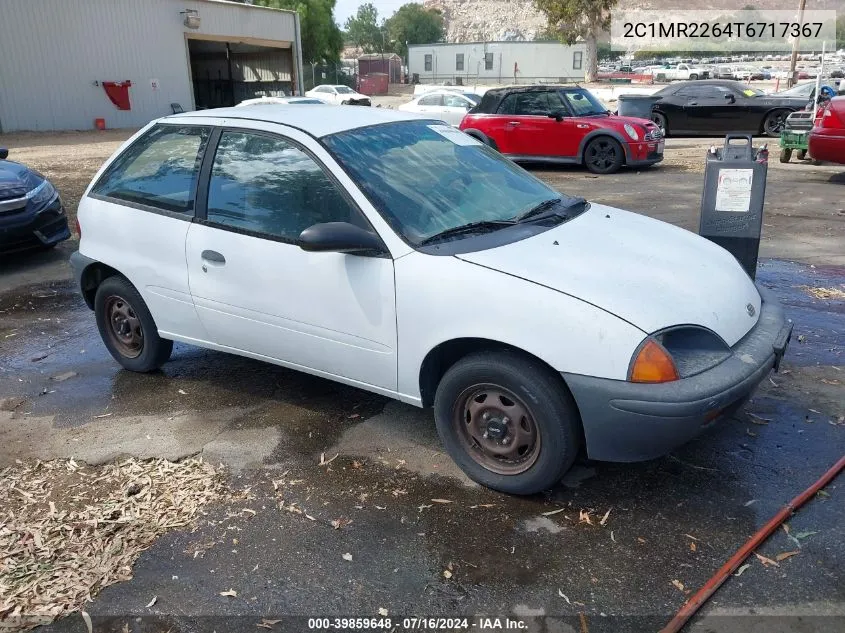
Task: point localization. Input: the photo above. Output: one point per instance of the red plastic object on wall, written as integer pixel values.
(118, 92)
(100, 124)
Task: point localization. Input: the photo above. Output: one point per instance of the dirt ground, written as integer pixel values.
(405, 516)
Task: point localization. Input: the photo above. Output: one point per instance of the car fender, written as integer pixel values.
(442, 298)
(602, 132)
(481, 136)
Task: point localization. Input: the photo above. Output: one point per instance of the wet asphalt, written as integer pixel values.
(672, 522)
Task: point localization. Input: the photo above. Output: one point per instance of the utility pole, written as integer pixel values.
(792, 79)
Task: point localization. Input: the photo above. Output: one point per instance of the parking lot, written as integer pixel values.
(341, 502)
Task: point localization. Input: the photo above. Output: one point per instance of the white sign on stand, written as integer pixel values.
(733, 193)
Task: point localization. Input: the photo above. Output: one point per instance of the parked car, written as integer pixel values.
(562, 124)
(718, 106)
(827, 138)
(679, 72)
(31, 211)
(448, 105)
(579, 331)
(338, 95)
(281, 101)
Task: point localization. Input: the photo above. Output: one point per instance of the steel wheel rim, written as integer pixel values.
(496, 429)
(602, 154)
(123, 326)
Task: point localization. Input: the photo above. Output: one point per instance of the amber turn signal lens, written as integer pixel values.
(653, 364)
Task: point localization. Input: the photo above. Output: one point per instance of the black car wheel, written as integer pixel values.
(507, 421)
(127, 327)
(660, 121)
(604, 155)
(693, 77)
(774, 122)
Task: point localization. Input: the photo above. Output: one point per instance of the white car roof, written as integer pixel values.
(277, 100)
(316, 120)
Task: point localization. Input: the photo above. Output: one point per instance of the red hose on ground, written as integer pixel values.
(702, 595)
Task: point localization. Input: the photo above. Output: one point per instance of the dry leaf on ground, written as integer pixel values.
(347, 556)
(766, 561)
(742, 569)
(231, 593)
(785, 555)
(678, 585)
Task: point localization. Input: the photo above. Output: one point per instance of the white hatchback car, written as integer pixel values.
(401, 256)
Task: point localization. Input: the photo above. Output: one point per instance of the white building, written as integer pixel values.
(497, 62)
(66, 63)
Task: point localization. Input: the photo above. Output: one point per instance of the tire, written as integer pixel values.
(693, 77)
(802, 154)
(344, 103)
(603, 155)
(773, 123)
(660, 121)
(127, 327)
(785, 155)
(480, 136)
(496, 384)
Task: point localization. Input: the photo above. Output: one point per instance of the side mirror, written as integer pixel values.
(340, 237)
(557, 115)
(730, 98)
(4, 153)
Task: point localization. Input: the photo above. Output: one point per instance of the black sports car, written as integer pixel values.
(718, 106)
(31, 211)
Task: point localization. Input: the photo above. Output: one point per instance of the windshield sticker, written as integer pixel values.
(748, 93)
(456, 136)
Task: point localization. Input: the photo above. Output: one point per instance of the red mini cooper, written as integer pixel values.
(562, 124)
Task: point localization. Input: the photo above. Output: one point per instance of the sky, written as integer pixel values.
(347, 8)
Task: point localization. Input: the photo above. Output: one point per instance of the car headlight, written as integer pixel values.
(632, 132)
(676, 353)
(42, 194)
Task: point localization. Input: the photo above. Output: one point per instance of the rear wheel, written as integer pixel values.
(774, 121)
(660, 121)
(604, 155)
(507, 421)
(127, 327)
(785, 155)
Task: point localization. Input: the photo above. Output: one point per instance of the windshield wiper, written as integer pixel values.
(541, 210)
(472, 227)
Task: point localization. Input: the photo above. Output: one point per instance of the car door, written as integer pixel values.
(137, 215)
(431, 104)
(454, 108)
(257, 292)
(713, 108)
(528, 127)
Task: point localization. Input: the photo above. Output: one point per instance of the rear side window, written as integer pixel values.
(266, 185)
(158, 170)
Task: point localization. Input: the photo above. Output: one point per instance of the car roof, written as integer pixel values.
(534, 87)
(316, 120)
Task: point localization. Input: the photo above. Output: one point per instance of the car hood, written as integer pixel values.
(647, 272)
(13, 179)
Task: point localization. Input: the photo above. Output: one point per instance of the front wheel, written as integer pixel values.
(127, 327)
(693, 77)
(507, 421)
(604, 155)
(774, 122)
(660, 121)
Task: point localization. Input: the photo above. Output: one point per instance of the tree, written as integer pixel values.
(364, 29)
(321, 38)
(575, 20)
(413, 24)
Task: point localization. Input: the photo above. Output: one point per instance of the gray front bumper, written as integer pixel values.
(626, 422)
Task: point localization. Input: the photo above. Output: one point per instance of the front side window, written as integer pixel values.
(488, 61)
(577, 60)
(425, 179)
(428, 63)
(158, 170)
(459, 61)
(266, 185)
(536, 103)
(456, 101)
(582, 102)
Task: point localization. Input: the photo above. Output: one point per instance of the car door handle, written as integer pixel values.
(693, 103)
(212, 258)
(513, 123)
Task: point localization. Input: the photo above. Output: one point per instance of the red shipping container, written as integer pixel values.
(374, 84)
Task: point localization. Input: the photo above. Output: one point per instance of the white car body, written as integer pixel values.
(337, 94)
(448, 105)
(681, 72)
(581, 297)
(280, 101)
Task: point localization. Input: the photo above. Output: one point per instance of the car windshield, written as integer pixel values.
(343, 90)
(425, 177)
(582, 102)
(801, 90)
